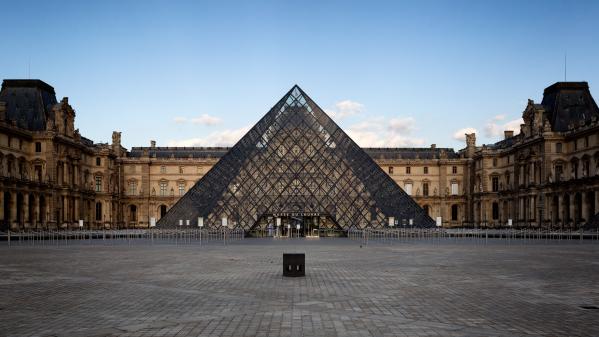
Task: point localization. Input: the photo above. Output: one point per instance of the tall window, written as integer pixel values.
(133, 212)
(390, 169)
(426, 170)
(454, 212)
(162, 169)
(98, 211)
(181, 188)
(425, 189)
(38, 147)
(98, 184)
(495, 184)
(98, 161)
(454, 169)
(408, 170)
(454, 188)
(163, 185)
(494, 162)
(495, 212)
(408, 188)
(558, 147)
(133, 187)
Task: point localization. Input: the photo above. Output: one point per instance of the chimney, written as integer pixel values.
(433, 146)
(508, 134)
(152, 143)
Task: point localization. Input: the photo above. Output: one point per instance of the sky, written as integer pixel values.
(391, 74)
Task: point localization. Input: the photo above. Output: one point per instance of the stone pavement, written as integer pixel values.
(402, 289)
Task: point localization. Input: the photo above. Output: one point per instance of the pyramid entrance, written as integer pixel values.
(297, 163)
(296, 224)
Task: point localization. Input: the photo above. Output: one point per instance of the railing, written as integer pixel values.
(123, 236)
(393, 235)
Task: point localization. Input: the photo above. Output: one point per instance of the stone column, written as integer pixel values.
(2, 206)
(13, 207)
(573, 207)
(596, 202)
(584, 208)
(25, 210)
(36, 211)
(65, 209)
(560, 208)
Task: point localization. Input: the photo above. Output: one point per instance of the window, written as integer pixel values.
(133, 187)
(454, 212)
(180, 169)
(425, 189)
(426, 170)
(163, 185)
(390, 169)
(558, 147)
(98, 161)
(507, 180)
(559, 170)
(495, 184)
(98, 211)
(98, 184)
(575, 144)
(181, 188)
(586, 141)
(408, 188)
(38, 147)
(162, 169)
(454, 188)
(495, 212)
(133, 213)
(454, 169)
(408, 170)
(494, 162)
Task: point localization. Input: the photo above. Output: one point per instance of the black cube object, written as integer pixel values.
(294, 265)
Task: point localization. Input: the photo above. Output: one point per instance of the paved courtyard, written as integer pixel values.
(402, 289)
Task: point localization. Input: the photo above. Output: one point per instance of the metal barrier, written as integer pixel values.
(399, 234)
(120, 236)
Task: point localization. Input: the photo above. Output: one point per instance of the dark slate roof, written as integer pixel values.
(179, 152)
(217, 152)
(28, 102)
(568, 103)
(410, 153)
(505, 143)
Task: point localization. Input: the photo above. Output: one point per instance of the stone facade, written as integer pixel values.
(52, 177)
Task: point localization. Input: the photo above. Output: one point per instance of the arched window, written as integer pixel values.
(454, 213)
(162, 210)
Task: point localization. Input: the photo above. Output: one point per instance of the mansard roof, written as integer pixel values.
(178, 152)
(567, 103)
(28, 102)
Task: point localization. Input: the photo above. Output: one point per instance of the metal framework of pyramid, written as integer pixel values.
(296, 160)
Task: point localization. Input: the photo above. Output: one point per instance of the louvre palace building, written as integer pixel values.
(296, 162)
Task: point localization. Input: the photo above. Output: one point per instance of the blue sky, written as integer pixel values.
(391, 73)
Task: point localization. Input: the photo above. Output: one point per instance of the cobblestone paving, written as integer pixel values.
(402, 289)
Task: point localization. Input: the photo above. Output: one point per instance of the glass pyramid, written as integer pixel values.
(297, 161)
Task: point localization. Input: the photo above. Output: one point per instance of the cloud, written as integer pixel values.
(379, 132)
(345, 108)
(217, 138)
(201, 120)
(206, 120)
(180, 120)
(493, 128)
(461, 133)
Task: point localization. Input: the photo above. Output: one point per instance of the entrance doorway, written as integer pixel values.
(296, 225)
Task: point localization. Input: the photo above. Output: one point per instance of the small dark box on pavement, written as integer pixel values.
(294, 265)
